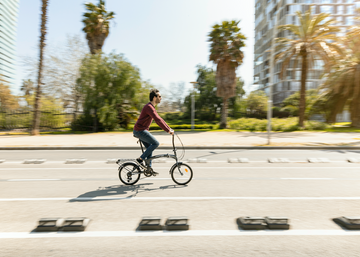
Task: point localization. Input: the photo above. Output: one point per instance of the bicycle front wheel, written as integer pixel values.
(181, 173)
(129, 173)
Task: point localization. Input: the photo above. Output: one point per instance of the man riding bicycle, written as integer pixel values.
(142, 125)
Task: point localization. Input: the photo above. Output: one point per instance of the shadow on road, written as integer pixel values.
(124, 191)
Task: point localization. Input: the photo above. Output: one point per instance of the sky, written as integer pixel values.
(165, 39)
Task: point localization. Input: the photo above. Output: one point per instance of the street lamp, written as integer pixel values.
(193, 105)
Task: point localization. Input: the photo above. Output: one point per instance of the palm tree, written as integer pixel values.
(226, 41)
(36, 120)
(342, 85)
(27, 87)
(311, 40)
(97, 27)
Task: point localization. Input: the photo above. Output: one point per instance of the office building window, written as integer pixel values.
(327, 9)
(339, 20)
(349, 21)
(340, 9)
(350, 10)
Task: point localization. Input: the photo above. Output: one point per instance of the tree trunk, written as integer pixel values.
(36, 119)
(96, 42)
(224, 111)
(355, 103)
(302, 102)
(76, 103)
(95, 127)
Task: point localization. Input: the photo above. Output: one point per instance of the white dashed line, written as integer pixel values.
(308, 178)
(20, 235)
(33, 179)
(176, 198)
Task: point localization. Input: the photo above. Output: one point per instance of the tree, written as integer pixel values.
(60, 71)
(97, 25)
(36, 120)
(176, 93)
(256, 102)
(235, 102)
(112, 90)
(27, 87)
(291, 103)
(226, 41)
(311, 40)
(342, 85)
(206, 102)
(7, 99)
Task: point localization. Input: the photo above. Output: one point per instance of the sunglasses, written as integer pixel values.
(159, 96)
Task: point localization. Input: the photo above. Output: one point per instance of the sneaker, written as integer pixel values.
(154, 173)
(141, 162)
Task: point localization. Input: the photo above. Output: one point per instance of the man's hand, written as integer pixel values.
(171, 132)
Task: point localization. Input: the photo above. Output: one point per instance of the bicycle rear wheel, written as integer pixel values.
(181, 173)
(129, 173)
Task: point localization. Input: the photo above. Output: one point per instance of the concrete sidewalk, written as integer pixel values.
(189, 139)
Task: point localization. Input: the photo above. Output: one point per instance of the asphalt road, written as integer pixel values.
(210, 155)
(309, 194)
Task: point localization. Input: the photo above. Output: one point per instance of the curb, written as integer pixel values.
(186, 147)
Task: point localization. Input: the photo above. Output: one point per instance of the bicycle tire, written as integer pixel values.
(184, 177)
(127, 169)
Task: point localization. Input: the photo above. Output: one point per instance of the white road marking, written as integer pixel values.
(34, 179)
(298, 232)
(178, 198)
(147, 178)
(168, 167)
(309, 178)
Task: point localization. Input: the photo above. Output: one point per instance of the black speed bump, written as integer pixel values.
(251, 223)
(49, 224)
(177, 223)
(277, 222)
(150, 223)
(75, 224)
(348, 222)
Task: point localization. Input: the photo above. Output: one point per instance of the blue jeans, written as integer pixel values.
(149, 142)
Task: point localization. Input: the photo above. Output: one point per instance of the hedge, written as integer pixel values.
(185, 126)
(286, 125)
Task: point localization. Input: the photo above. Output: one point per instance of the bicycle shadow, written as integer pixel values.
(118, 190)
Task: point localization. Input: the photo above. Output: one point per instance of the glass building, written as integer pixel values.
(265, 14)
(8, 22)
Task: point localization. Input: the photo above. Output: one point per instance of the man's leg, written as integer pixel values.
(147, 146)
(149, 142)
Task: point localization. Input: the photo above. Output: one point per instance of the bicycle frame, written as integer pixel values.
(131, 170)
(174, 156)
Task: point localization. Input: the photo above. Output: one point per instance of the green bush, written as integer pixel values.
(85, 122)
(185, 126)
(247, 124)
(169, 116)
(316, 125)
(154, 126)
(286, 125)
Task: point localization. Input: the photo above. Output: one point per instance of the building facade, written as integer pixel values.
(8, 25)
(265, 17)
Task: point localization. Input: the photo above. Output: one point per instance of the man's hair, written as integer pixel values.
(153, 93)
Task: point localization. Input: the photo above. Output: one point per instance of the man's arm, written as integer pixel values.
(162, 124)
